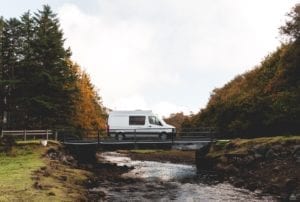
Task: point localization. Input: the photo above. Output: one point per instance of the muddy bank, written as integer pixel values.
(79, 177)
(269, 164)
(173, 156)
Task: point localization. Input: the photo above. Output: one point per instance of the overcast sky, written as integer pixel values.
(164, 55)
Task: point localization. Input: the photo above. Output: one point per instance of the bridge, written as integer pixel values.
(85, 149)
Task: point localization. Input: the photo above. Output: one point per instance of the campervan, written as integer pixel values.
(138, 124)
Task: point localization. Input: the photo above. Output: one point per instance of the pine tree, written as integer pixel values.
(10, 56)
(54, 81)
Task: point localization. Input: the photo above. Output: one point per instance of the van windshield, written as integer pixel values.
(154, 120)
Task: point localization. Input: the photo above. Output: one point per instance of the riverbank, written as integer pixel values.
(172, 156)
(32, 172)
(268, 164)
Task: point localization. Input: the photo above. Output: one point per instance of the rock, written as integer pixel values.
(231, 169)
(296, 148)
(273, 189)
(260, 149)
(37, 185)
(238, 183)
(51, 194)
(252, 186)
(258, 156)
(276, 169)
(270, 154)
(249, 159)
(63, 178)
(46, 173)
(290, 185)
(277, 147)
(293, 197)
(296, 152)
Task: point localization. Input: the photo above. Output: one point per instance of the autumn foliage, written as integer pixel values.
(264, 101)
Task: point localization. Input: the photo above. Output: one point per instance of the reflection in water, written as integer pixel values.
(165, 182)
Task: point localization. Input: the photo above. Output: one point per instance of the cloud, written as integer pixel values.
(168, 55)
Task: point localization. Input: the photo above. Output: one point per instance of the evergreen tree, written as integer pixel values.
(54, 81)
(10, 56)
(1, 74)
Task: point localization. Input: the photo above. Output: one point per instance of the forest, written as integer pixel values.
(264, 101)
(40, 86)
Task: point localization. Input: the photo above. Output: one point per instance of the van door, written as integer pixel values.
(155, 126)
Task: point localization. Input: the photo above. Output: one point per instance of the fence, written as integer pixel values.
(30, 134)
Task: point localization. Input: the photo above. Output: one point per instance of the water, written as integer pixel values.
(169, 182)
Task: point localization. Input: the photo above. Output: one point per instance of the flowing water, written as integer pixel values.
(169, 182)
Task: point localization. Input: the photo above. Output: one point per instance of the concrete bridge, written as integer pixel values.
(85, 150)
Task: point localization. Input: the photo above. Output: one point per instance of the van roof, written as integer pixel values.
(130, 112)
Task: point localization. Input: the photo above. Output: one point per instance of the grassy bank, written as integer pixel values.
(26, 174)
(242, 146)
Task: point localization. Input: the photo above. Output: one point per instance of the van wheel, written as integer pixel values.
(120, 137)
(163, 136)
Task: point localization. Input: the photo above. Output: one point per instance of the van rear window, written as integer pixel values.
(137, 120)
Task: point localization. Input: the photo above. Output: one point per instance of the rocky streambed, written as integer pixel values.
(119, 178)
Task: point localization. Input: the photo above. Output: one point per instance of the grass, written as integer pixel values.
(21, 169)
(15, 174)
(241, 146)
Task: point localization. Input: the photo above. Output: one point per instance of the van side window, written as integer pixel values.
(137, 120)
(153, 120)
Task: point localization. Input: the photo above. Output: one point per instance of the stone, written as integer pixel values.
(258, 156)
(296, 151)
(260, 149)
(290, 185)
(51, 194)
(293, 197)
(270, 154)
(63, 178)
(276, 169)
(231, 169)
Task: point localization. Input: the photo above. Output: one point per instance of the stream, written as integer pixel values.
(156, 181)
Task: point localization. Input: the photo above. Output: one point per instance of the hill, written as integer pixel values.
(264, 101)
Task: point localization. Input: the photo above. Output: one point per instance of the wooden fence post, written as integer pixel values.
(47, 134)
(55, 135)
(25, 135)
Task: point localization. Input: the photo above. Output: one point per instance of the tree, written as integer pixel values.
(10, 56)
(176, 120)
(292, 26)
(54, 82)
(89, 112)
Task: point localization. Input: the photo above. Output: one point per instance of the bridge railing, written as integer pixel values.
(138, 135)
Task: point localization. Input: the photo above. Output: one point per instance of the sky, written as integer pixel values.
(163, 55)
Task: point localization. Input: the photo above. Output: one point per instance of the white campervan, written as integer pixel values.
(136, 124)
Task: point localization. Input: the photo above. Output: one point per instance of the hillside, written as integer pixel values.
(264, 101)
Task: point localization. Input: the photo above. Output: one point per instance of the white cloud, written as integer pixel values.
(165, 54)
